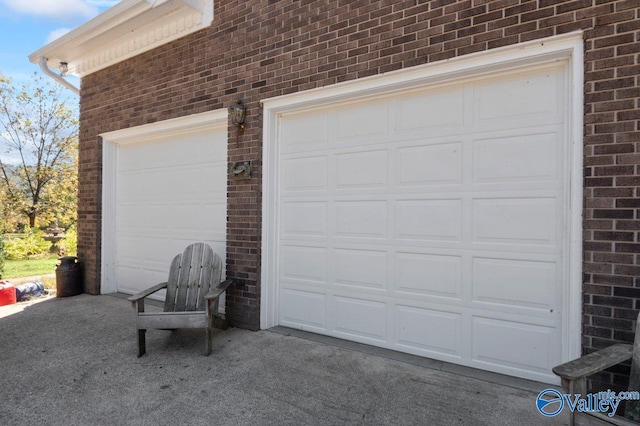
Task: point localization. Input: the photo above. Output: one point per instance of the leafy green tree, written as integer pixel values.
(38, 151)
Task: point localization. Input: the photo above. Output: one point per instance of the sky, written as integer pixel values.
(28, 25)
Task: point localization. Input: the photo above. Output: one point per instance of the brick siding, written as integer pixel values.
(258, 49)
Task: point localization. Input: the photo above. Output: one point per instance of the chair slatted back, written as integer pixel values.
(191, 275)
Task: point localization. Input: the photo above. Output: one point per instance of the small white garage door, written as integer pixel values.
(431, 221)
(170, 191)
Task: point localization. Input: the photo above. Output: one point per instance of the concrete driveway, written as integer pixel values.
(71, 361)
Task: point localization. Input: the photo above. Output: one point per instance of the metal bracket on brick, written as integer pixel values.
(240, 170)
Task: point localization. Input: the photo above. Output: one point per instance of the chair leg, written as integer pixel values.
(212, 310)
(209, 335)
(142, 345)
(209, 339)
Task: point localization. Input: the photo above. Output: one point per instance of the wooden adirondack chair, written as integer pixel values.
(193, 290)
(574, 379)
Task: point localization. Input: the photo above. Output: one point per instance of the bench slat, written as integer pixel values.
(594, 362)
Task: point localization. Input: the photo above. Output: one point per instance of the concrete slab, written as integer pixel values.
(71, 361)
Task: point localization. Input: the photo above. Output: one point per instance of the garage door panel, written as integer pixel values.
(514, 159)
(128, 247)
(431, 110)
(157, 185)
(419, 275)
(517, 221)
(130, 217)
(184, 216)
(214, 188)
(151, 185)
(429, 332)
(130, 186)
(304, 219)
(527, 347)
(215, 147)
(303, 264)
(371, 118)
(365, 219)
(143, 248)
(515, 282)
(303, 310)
(130, 278)
(166, 151)
(363, 319)
(214, 218)
(184, 182)
(367, 169)
(436, 220)
(155, 217)
(304, 132)
(429, 164)
(366, 269)
(526, 97)
(305, 173)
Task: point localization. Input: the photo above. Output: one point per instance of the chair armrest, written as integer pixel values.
(147, 292)
(594, 362)
(217, 291)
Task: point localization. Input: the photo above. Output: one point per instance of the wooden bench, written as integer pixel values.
(574, 379)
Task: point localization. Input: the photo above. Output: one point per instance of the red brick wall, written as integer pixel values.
(257, 49)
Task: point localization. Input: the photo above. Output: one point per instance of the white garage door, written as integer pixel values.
(170, 191)
(431, 221)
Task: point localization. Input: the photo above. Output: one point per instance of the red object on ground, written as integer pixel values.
(7, 294)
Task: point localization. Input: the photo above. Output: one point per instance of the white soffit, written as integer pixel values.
(129, 28)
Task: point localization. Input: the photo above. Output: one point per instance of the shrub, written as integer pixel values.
(32, 244)
(70, 242)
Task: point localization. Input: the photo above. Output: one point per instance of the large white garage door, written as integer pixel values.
(431, 221)
(170, 191)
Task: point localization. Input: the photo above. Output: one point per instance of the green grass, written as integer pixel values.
(29, 268)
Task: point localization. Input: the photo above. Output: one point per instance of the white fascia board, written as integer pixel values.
(128, 29)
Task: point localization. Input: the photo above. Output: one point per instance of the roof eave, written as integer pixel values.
(129, 28)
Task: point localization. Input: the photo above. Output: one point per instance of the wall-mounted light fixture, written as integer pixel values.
(64, 69)
(237, 113)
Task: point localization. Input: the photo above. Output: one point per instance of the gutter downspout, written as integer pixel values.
(56, 77)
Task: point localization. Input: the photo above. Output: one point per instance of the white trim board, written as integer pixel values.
(110, 143)
(568, 47)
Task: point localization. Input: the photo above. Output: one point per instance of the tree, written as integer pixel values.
(39, 137)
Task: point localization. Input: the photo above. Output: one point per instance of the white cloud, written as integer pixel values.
(55, 34)
(103, 3)
(54, 8)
